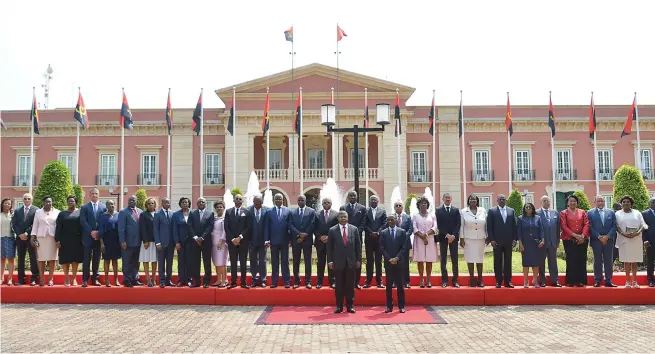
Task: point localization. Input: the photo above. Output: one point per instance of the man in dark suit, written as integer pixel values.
(89, 215)
(21, 223)
(648, 236)
(449, 222)
(276, 236)
(393, 241)
(356, 216)
(257, 215)
(602, 227)
(128, 235)
(163, 230)
(501, 231)
(325, 219)
(344, 253)
(238, 241)
(404, 222)
(302, 224)
(550, 222)
(199, 221)
(374, 222)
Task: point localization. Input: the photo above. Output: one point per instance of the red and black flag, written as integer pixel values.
(126, 114)
(169, 114)
(592, 118)
(340, 34)
(632, 116)
(551, 117)
(508, 118)
(265, 120)
(396, 115)
(197, 116)
(80, 112)
(34, 116)
(2, 124)
(230, 120)
(288, 34)
(297, 119)
(431, 118)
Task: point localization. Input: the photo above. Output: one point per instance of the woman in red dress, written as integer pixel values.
(575, 236)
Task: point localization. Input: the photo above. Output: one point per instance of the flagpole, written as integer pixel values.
(366, 140)
(293, 153)
(168, 155)
(398, 147)
(234, 138)
(122, 176)
(639, 159)
(32, 141)
(509, 154)
(202, 145)
(434, 145)
(77, 146)
(336, 109)
(300, 160)
(595, 150)
(268, 147)
(461, 108)
(553, 157)
(335, 154)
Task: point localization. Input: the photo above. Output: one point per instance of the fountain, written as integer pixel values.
(428, 195)
(330, 190)
(268, 199)
(252, 190)
(413, 209)
(228, 199)
(395, 197)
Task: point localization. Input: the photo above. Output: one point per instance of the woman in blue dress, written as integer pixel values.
(530, 233)
(111, 247)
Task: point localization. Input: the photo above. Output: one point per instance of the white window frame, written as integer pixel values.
(528, 198)
(108, 179)
(481, 175)
(213, 170)
(609, 200)
(23, 177)
(485, 198)
(605, 164)
(420, 174)
(562, 173)
(523, 173)
(149, 178)
(18, 202)
(271, 163)
(361, 161)
(319, 155)
(61, 157)
(647, 171)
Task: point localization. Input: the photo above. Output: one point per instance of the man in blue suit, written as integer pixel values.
(128, 235)
(257, 215)
(301, 225)
(393, 241)
(164, 241)
(449, 221)
(602, 224)
(404, 221)
(501, 229)
(199, 223)
(89, 215)
(276, 236)
(648, 236)
(550, 221)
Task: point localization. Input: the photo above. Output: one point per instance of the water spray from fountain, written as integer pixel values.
(428, 195)
(413, 209)
(268, 199)
(331, 190)
(228, 199)
(252, 190)
(395, 197)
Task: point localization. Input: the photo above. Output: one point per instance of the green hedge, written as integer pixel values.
(408, 201)
(55, 182)
(629, 181)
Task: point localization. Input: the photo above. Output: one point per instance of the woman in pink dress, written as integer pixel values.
(425, 249)
(219, 249)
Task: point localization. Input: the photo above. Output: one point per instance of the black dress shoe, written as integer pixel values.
(351, 310)
(509, 285)
(273, 286)
(380, 286)
(170, 283)
(651, 284)
(481, 284)
(137, 283)
(318, 286)
(128, 285)
(444, 285)
(597, 285)
(358, 287)
(401, 310)
(387, 310)
(232, 286)
(610, 285)
(194, 285)
(366, 286)
(338, 310)
(393, 286)
(287, 286)
(407, 286)
(96, 282)
(557, 285)
(33, 282)
(333, 286)
(498, 286)
(84, 285)
(245, 286)
(262, 285)
(296, 286)
(162, 285)
(543, 285)
(206, 286)
(455, 284)
(308, 286)
(180, 285)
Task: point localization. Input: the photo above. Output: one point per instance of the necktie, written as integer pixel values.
(546, 213)
(167, 214)
(236, 212)
(393, 234)
(278, 213)
(602, 218)
(373, 210)
(345, 235)
(504, 214)
(257, 215)
(201, 213)
(27, 210)
(326, 215)
(400, 219)
(136, 215)
(448, 209)
(95, 209)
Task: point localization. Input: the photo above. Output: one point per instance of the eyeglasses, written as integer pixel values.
(238, 199)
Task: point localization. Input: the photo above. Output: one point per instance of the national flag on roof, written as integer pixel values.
(297, 119)
(126, 120)
(551, 117)
(508, 118)
(632, 116)
(265, 120)
(80, 112)
(340, 34)
(197, 116)
(34, 116)
(288, 34)
(592, 118)
(230, 120)
(431, 118)
(396, 115)
(169, 114)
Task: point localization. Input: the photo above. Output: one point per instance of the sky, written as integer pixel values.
(484, 48)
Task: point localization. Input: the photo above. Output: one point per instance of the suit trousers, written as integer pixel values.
(24, 247)
(182, 275)
(576, 262)
(344, 281)
(444, 246)
(550, 254)
(130, 264)
(91, 251)
(650, 263)
(306, 248)
(165, 263)
(603, 255)
(258, 264)
(280, 254)
(238, 254)
(373, 256)
(321, 253)
(394, 274)
(503, 262)
(358, 271)
(206, 252)
(192, 254)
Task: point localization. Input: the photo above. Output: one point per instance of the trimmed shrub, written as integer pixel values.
(141, 197)
(55, 182)
(236, 191)
(515, 201)
(408, 201)
(584, 200)
(79, 194)
(629, 181)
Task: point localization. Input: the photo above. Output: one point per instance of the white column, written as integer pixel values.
(335, 151)
(293, 157)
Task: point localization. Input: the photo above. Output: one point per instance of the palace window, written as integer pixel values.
(605, 171)
(564, 170)
(418, 172)
(213, 174)
(108, 175)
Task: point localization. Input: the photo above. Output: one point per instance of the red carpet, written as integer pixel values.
(370, 315)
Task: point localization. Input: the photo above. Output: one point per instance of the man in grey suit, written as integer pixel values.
(21, 223)
(602, 226)
(344, 252)
(128, 235)
(163, 229)
(550, 222)
(501, 231)
(89, 215)
(325, 220)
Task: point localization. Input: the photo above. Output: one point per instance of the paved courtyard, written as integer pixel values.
(132, 328)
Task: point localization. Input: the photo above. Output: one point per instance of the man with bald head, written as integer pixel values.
(325, 219)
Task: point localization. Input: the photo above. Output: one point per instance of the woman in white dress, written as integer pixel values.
(43, 238)
(148, 252)
(629, 225)
(473, 237)
(425, 249)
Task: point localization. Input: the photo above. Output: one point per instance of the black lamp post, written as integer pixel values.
(328, 118)
(117, 194)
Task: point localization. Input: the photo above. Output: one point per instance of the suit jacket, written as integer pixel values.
(597, 227)
(340, 255)
(181, 229)
(356, 215)
(322, 227)
(449, 222)
(376, 224)
(502, 232)
(526, 229)
(236, 225)
(163, 227)
(276, 230)
(146, 227)
(551, 227)
(89, 220)
(128, 227)
(199, 224)
(405, 223)
(256, 230)
(22, 224)
(302, 223)
(393, 247)
(649, 219)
